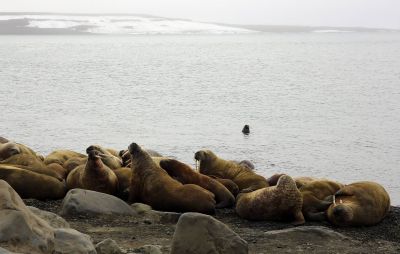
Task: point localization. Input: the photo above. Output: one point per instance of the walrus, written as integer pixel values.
(74, 162)
(229, 184)
(124, 181)
(61, 156)
(359, 204)
(3, 140)
(94, 175)
(186, 175)
(314, 195)
(126, 156)
(244, 177)
(11, 148)
(30, 184)
(246, 129)
(113, 162)
(280, 202)
(32, 163)
(300, 181)
(153, 186)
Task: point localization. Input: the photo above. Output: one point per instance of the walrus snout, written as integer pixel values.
(134, 148)
(198, 155)
(90, 148)
(92, 152)
(342, 213)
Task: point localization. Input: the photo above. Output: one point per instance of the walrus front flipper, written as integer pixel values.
(320, 216)
(344, 192)
(298, 219)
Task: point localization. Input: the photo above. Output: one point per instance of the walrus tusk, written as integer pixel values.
(334, 200)
(340, 201)
(196, 165)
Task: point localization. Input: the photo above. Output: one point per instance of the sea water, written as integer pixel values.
(318, 104)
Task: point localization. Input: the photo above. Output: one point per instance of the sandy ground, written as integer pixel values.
(130, 233)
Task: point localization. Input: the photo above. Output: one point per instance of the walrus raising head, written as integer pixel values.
(8, 149)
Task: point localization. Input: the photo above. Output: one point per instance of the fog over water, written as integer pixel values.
(325, 105)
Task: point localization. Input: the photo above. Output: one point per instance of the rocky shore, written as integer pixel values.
(147, 231)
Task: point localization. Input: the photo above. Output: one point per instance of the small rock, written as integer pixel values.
(53, 219)
(69, 240)
(78, 201)
(304, 233)
(108, 246)
(140, 208)
(198, 233)
(168, 217)
(4, 251)
(149, 249)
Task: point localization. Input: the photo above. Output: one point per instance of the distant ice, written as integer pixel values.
(124, 24)
(331, 31)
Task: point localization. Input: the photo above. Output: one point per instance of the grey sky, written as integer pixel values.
(366, 13)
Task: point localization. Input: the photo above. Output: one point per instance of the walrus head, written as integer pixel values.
(92, 153)
(204, 157)
(8, 149)
(340, 213)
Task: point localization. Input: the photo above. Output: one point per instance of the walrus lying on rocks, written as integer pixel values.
(30, 184)
(12, 155)
(229, 184)
(94, 175)
(3, 140)
(359, 204)
(314, 198)
(152, 185)
(61, 156)
(300, 180)
(244, 177)
(186, 175)
(280, 202)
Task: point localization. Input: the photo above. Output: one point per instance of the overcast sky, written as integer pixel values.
(366, 13)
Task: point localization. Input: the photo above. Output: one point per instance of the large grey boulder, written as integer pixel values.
(69, 240)
(198, 233)
(53, 219)
(79, 201)
(19, 226)
(26, 232)
(108, 246)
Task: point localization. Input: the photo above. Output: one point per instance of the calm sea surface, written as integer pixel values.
(323, 105)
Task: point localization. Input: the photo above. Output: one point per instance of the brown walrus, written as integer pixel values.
(244, 177)
(186, 175)
(61, 156)
(29, 184)
(113, 162)
(359, 204)
(280, 202)
(153, 186)
(94, 175)
(32, 163)
(3, 140)
(300, 180)
(229, 184)
(74, 162)
(124, 182)
(126, 156)
(314, 198)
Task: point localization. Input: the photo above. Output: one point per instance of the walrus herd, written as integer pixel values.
(166, 184)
